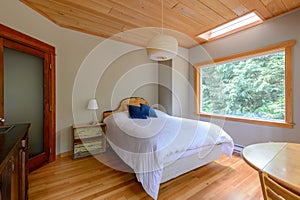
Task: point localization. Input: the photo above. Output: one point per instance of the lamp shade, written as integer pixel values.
(162, 47)
(93, 105)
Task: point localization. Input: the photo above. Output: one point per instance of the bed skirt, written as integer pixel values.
(191, 162)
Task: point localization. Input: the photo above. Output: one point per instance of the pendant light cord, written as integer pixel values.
(162, 16)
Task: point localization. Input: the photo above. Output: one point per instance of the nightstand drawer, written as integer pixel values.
(88, 140)
(84, 132)
(86, 149)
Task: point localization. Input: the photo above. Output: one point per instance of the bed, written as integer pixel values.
(163, 147)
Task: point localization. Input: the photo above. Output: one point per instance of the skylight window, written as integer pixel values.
(240, 23)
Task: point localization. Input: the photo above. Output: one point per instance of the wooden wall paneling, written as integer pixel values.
(106, 18)
(236, 6)
(257, 5)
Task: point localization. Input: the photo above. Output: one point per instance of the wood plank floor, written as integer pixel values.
(87, 178)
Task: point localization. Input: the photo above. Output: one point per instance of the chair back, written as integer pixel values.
(272, 190)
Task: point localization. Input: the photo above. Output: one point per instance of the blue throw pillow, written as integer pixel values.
(135, 112)
(148, 111)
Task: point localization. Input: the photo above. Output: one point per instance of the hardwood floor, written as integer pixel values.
(87, 178)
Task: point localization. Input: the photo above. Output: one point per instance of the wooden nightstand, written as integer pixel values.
(88, 140)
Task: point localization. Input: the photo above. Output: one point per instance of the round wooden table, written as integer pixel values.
(280, 160)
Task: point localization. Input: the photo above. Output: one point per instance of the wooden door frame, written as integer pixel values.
(50, 98)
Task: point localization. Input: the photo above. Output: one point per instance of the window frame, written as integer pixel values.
(284, 46)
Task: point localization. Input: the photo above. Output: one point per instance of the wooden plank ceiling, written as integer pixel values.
(127, 20)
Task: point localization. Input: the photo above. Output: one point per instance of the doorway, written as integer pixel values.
(27, 92)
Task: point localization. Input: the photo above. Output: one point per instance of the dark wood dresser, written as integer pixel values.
(14, 163)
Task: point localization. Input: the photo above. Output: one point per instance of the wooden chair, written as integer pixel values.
(272, 190)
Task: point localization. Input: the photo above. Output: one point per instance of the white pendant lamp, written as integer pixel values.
(162, 47)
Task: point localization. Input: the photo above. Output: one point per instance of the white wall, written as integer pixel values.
(180, 84)
(72, 50)
(271, 32)
(174, 86)
(165, 94)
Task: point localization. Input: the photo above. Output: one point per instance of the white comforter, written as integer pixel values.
(144, 144)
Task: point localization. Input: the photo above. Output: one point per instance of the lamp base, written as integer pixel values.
(94, 118)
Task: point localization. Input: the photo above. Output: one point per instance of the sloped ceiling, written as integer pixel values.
(184, 19)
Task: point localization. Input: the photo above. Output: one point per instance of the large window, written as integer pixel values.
(254, 87)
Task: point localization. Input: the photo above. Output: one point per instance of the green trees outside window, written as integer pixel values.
(252, 87)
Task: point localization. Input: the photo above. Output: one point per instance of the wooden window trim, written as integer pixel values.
(287, 46)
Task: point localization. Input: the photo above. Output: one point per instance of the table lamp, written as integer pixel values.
(93, 106)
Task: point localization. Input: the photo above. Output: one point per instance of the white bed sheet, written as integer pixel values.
(145, 144)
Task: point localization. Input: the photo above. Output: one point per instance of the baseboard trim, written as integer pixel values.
(64, 154)
(238, 148)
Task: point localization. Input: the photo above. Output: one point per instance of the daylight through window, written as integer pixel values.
(246, 21)
(254, 86)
